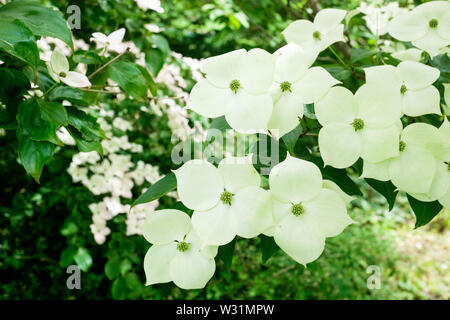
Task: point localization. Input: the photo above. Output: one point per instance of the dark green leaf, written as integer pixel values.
(86, 124)
(424, 211)
(33, 154)
(73, 95)
(442, 62)
(268, 247)
(386, 189)
(149, 79)
(129, 77)
(119, 288)
(291, 138)
(83, 145)
(112, 267)
(226, 252)
(220, 124)
(158, 189)
(54, 112)
(67, 256)
(154, 59)
(357, 54)
(40, 20)
(87, 57)
(339, 73)
(18, 41)
(32, 123)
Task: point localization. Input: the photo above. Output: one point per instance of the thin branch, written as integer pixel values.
(107, 64)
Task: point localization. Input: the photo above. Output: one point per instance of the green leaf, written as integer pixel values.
(68, 229)
(158, 189)
(112, 268)
(442, 62)
(17, 40)
(83, 145)
(54, 112)
(42, 21)
(33, 154)
(339, 176)
(339, 73)
(83, 259)
(149, 79)
(32, 123)
(86, 124)
(268, 247)
(219, 123)
(119, 288)
(226, 252)
(67, 256)
(73, 95)
(291, 138)
(86, 57)
(154, 59)
(386, 189)
(424, 211)
(129, 77)
(134, 285)
(125, 266)
(357, 54)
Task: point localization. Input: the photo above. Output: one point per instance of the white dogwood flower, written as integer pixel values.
(295, 84)
(227, 200)
(421, 146)
(177, 254)
(361, 125)
(318, 35)
(377, 17)
(58, 67)
(111, 42)
(237, 85)
(427, 26)
(412, 82)
(305, 212)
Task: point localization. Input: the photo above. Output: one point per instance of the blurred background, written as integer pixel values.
(79, 215)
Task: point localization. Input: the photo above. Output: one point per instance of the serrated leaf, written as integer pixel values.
(42, 21)
(158, 189)
(33, 154)
(226, 252)
(386, 189)
(424, 211)
(268, 247)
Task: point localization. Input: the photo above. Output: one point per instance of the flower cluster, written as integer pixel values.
(299, 210)
(259, 92)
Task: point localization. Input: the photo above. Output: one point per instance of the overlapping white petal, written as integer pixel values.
(287, 111)
(165, 226)
(157, 261)
(199, 184)
(318, 35)
(314, 84)
(295, 180)
(58, 68)
(331, 185)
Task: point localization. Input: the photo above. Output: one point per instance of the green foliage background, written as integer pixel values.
(45, 227)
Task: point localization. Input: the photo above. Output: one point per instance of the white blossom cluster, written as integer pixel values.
(114, 176)
(261, 92)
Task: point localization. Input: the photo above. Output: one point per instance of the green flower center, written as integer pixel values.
(401, 146)
(433, 23)
(297, 209)
(235, 85)
(285, 86)
(403, 89)
(62, 74)
(358, 124)
(182, 246)
(226, 197)
(317, 35)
